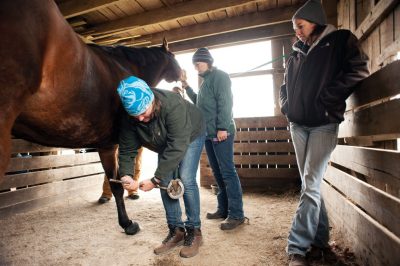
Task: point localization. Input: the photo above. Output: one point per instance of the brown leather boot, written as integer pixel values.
(174, 238)
(193, 241)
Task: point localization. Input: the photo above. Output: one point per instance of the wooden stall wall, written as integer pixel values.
(376, 24)
(38, 175)
(263, 154)
(362, 182)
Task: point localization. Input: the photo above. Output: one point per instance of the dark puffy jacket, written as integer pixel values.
(318, 81)
(169, 132)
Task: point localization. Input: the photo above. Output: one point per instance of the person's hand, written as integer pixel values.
(146, 185)
(129, 183)
(222, 135)
(183, 79)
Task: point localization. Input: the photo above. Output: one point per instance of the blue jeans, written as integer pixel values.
(220, 157)
(191, 197)
(313, 146)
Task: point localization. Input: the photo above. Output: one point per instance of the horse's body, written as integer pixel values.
(57, 91)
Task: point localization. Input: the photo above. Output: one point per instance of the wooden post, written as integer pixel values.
(277, 78)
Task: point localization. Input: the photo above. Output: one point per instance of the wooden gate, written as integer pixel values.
(39, 175)
(263, 154)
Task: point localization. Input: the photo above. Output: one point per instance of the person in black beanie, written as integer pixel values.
(320, 74)
(215, 100)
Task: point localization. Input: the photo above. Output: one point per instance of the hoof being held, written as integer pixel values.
(132, 229)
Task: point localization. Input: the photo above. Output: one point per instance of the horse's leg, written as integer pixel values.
(108, 159)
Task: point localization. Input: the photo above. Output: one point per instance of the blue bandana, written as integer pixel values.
(136, 96)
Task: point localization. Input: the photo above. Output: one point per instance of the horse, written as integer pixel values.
(55, 90)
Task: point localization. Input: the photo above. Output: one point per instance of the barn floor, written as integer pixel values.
(78, 231)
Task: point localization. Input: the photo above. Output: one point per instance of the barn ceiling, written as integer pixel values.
(186, 24)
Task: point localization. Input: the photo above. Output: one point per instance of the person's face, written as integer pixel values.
(303, 29)
(201, 67)
(147, 115)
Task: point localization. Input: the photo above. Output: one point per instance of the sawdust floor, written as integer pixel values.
(78, 231)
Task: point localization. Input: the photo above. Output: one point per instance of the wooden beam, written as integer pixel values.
(242, 36)
(217, 27)
(377, 14)
(78, 7)
(390, 51)
(178, 11)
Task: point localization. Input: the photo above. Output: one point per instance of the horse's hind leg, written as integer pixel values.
(108, 159)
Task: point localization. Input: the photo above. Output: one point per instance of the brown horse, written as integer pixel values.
(57, 91)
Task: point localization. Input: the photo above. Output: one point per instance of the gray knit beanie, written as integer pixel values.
(312, 11)
(202, 55)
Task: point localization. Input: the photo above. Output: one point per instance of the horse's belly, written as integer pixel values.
(64, 130)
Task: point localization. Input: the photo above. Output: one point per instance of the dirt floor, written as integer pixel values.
(81, 232)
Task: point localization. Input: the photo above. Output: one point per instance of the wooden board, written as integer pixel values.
(261, 122)
(41, 196)
(380, 167)
(385, 79)
(40, 162)
(50, 175)
(264, 147)
(265, 173)
(381, 206)
(262, 135)
(375, 120)
(373, 243)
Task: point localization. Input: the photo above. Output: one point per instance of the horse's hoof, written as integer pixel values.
(132, 229)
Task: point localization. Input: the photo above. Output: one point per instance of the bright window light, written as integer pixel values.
(253, 95)
(398, 55)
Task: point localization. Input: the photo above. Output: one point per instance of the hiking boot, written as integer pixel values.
(133, 196)
(230, 223)
(103, 199)
(193, 240)
(174, 238)
(297, 260)
(215, 215)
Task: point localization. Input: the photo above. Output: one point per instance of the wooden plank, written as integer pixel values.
(159, 15)
(264, 147)
(262, 135)
(40, 162)
(385, 79)
(381, 206)
(390, 53)
(77, 7)
(41, 196)
(258, 159)
(23, 146)
(257, 73)
(372, 243)
(261, 122)
(376, 120)
(219, 27)
(236, 37)
(39, 177)
(249, 173)
(375, 17)
(265, 159)
(380, 167)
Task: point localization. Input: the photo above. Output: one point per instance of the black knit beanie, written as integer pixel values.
(202, 55)
(312, 11)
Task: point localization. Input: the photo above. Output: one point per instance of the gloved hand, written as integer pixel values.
(129, 183)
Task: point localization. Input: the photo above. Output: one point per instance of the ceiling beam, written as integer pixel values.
(78, 7)
(180, 10)
(248, 35)
(258, 19)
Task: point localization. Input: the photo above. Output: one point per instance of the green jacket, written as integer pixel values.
(215, 100)
(174, 126)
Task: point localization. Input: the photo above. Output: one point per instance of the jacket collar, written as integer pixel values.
(299, 45)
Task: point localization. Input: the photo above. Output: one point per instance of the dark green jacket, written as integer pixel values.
(172, 129)
(215, 100)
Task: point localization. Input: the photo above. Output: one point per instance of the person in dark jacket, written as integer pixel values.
(165, 123)
(215, 100)
(320, 75)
